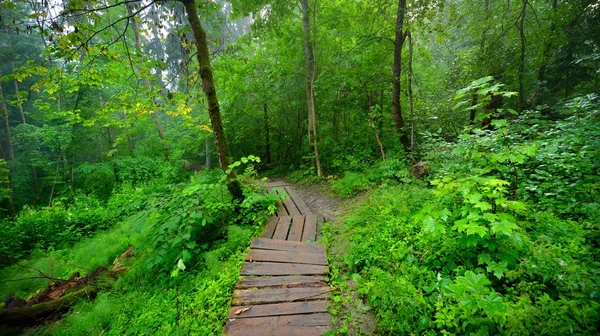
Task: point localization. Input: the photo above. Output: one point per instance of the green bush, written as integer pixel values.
(351, 184)
(504, 243)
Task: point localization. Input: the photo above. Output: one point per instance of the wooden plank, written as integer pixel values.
(310, 228)
(266, 268)
(308, 320)
(235, 330)
(277, 295)
(291, 207)
(298, 201)
(270, 230)
(287, 257)
(283, 226)
(277, 281)
(296, 229)
(280, 245)
(275, 184)
(279, 309)
(282, 210)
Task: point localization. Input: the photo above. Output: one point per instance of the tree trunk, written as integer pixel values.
(7, 202)
(521, 28)
(9, 145)
(208, 161)
(410, 96)
(208, 86)
(396, 89)
(310, 80)
(19, 105)
(267, 136)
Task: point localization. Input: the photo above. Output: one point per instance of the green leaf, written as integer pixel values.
(180, 264)
(497, 268)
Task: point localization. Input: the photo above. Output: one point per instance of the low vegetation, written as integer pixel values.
(501, 239)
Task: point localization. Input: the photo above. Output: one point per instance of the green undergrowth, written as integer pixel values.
(190, 241)
(502, 239)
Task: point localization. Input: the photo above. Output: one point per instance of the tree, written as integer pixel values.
(208, 86)
(399, 38)
(310, 81)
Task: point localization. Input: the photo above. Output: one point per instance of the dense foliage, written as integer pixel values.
(470, 130)
(504, 242)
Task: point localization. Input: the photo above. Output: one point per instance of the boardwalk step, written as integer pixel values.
(287, 257)
(276, 295)
(235, 330)
(282, 245)
(305, 320)
(267, 268)
(278, 281)
(279, 309)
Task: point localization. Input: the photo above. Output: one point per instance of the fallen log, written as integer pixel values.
(60, 296)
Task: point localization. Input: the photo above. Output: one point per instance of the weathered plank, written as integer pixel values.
(298, 201)
(270, 228)
(235, 330)
(278, 245)
(282, 211)
(310, 228)
(276, 295)
(287, 257)
(278, 281)
(283, 226)
(266, 268)
(296, 229)
(306, 320)
(290, 205)
(275, 184)
(278, 309)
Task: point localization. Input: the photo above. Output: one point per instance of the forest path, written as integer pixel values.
(282, 288)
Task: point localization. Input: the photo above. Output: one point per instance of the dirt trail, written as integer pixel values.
(333, 209)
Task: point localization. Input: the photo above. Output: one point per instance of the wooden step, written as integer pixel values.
(305, 320)
(282, 245)
(235, 330)
(287, 257)
(276, 295)
(279, 309)
(267, 268)
(278, 281)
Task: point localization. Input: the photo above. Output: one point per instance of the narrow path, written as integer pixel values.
(282, 288)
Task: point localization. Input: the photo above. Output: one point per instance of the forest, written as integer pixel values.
(459, 138)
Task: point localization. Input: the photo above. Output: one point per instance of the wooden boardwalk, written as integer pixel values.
(282, 288)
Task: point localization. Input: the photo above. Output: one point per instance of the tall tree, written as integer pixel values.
(397, 73)
(521, 28)
(310, 81)
(208, 86)
(9, 144)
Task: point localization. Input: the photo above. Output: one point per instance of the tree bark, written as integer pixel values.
(521, 28)
(19, 106)
(397, 72)
(410, 96)
(207, 159)
(310, 80)
(267, 135)
(208, 86)
(9, 145)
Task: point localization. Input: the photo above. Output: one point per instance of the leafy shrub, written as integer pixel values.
(505, 242)
(351, 184)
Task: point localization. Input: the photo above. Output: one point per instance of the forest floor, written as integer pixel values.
(350, 312)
